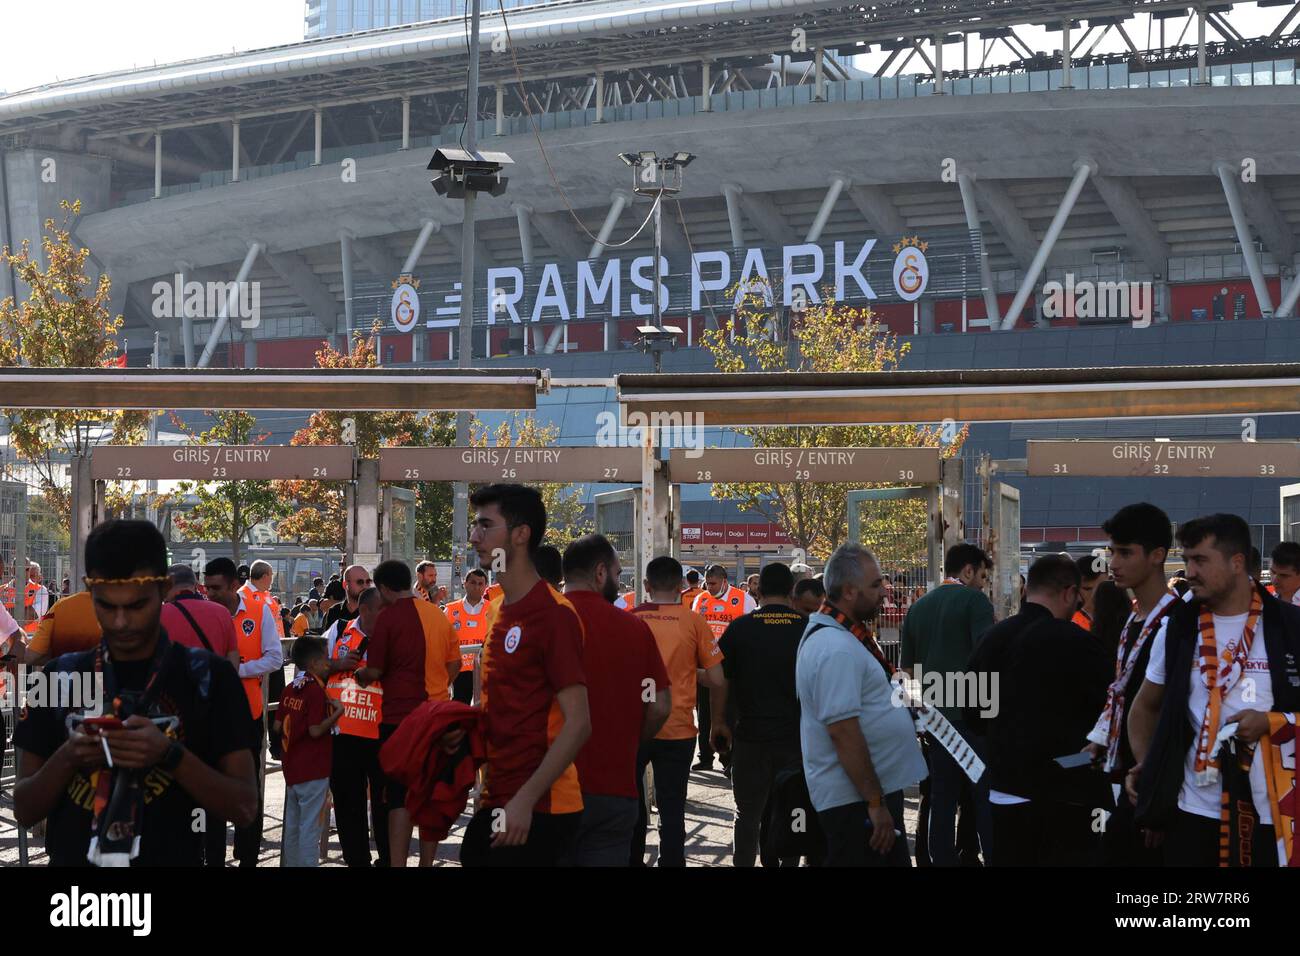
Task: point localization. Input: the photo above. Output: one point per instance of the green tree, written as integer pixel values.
(63, 323)
(320, 519)
(566, 516)
(228, 510)
(826, 337)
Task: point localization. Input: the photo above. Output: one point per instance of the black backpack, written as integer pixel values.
(789, 827)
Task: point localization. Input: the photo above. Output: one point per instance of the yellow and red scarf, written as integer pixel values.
(1218, 670)
(861, 632)
(1126, 656)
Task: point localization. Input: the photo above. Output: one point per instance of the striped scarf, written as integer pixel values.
(861, 632)
(1125, 660)
(1220, 671)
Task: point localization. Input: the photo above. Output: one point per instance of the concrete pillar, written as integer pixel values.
(83, 497)
(234, 151)
(406, 122)
(501, 110)
(223, 314)
(600, 96)
(157, 165)
(837, 184)
(1228, 177)
(427, 229)
(938, 64)
(367, 534)
(819, 75)
(345, 251)
(732, 193)
(1202, 69)
(1067, 63)
(618, 201)
(183, 269)
(320, 135)
(706, 84)
(965, 183)
(1082, 170)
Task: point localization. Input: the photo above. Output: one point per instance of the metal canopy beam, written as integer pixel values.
(287, 389)
(982, 395)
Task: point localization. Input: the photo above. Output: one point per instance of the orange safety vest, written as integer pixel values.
(248, 635)
(362, 706)
(720, 612)
(469, 628)
(1081, 618)
(251, 593)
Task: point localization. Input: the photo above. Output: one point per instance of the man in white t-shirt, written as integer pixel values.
(1216, 549)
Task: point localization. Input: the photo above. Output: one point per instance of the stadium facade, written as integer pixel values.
(327, 18)
(302, 169)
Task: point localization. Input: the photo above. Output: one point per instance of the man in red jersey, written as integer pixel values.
(629, 699)
(535, 716)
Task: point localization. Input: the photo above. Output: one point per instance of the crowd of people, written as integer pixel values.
(1120, 717)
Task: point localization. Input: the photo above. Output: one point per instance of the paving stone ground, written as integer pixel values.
(709, 811)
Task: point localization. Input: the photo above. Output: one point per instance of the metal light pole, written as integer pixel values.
(460, 489)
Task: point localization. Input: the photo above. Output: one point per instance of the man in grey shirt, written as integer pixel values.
(859, 749)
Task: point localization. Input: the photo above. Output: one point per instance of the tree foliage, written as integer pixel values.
(319, 520)
(826, 337)
(228, 510)
(566, 516)
(63, 323)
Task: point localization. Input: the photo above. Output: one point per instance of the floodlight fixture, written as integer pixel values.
(464, 171)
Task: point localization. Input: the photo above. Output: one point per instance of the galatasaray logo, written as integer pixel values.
(911, 270)
(405, 304)
(512, 639)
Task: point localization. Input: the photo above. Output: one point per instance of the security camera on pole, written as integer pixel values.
(652, 176)
(462, 174)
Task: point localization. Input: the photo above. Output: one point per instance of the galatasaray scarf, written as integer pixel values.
(861, 632)
(1220, 671)
(1239, 818)
(1126, 655)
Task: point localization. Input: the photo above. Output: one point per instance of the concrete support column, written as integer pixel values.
(501, 110)
(523, 215)
(157, 164)
(183, 269)
(427, 229)
(234, 151)
(1067, 64)
(619, 200)
(965, 183)
(938, 64)
(1082, 170)
(406, 122)
(345, 252)
(819, 75)
(367, 535)
(838, 182)
(706, 84)
(732, 194)
(223, 315)
(320, 135)
(83, 515)
(1228, 177)
(600, 96)
(1202, 70)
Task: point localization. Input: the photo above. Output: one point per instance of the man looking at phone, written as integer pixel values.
(1051, 678)
(128, 787)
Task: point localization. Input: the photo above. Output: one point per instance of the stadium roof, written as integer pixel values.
(555, 40)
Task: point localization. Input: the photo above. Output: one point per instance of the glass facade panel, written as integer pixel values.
(346, 16)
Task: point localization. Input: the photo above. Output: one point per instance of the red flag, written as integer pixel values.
(119, 362)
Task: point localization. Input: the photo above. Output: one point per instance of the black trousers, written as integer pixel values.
(1123, 844)
(848, 835)
(356, 765)
(671, 760)
(462, 688)
(248, 840)
(1193, 840)
(1045, 833)
(704, 720)
(549, 839)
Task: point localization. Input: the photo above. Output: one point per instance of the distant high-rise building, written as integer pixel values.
(331, 17)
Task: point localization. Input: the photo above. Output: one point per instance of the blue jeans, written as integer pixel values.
(303, 802)
(946, 782)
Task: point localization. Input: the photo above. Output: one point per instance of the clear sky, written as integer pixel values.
(46, 41)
